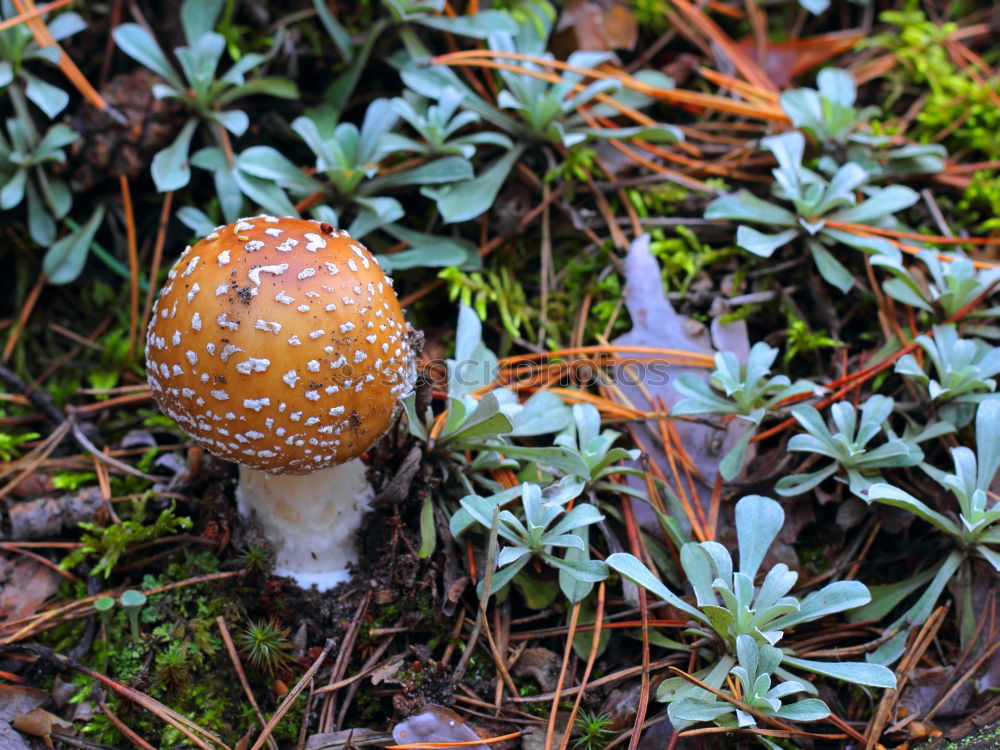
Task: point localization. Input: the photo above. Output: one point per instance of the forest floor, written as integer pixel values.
(726, 278)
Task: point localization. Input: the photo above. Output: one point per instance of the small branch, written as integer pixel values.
(292, 695)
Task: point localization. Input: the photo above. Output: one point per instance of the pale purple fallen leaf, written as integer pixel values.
(11, 739)
(435, 724)
(19, 699)
(655, 323)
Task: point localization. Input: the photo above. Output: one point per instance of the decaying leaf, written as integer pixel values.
(595, 25)
(18, 699)
(785, 61)
(540, 663)
(41, 723)
(24, 585)
(49, 516)
(387, 672)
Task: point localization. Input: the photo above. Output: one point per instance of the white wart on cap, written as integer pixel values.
(279, 344)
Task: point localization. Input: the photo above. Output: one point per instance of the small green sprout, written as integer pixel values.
(256, 558)
(133, 601)
(593, 731)
(266, 645)
(104, 605)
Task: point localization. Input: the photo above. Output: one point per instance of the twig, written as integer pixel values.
(154, 269)
(234, 657)
(340, 665)
(122, 727)
(884, 710)
(88, 446)
(292, 695)
(35, 13)
(554, 710)
(606, 680)
(591, 658)
(133, 263)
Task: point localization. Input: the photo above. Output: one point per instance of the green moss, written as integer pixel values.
(986, 739)
(979, 205)
(959, 109)
(179, 660)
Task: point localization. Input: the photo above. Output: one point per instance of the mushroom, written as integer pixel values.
(279, 344)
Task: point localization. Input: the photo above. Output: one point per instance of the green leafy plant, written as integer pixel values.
(954, 283)
(729, 606)
(438, 124)
(9, 444)
(19, 47)
(849, 445)
(24, 157)
(750, 392)
(800, 338)
(579, 164)
(473, 368)
(256, 558)
(71, 482)
(488, 426)
(477, 290)
(430, 13)
(110, 542)
(957, 103)
(964, 370)
(31, 158)
(546, 526)
(584, 438)
(175, 664)
(980, 203)
(530, 110)
(353, 160)
(471, 423)
(548, 111)
(539, 13)
(974, 527)
(756, 665)
(197, 85)
(815, 200)
(828, 114)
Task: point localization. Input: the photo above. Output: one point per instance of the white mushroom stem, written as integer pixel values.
(310, 519)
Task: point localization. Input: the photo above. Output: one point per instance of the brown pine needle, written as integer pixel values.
(591, 658)
(865, 231)
(66, 65)
(154, 269)
(234, 657)
(550, 727)
(709, 28)
(133, 263)
(487, 59)
(39, 11)
(22, 317)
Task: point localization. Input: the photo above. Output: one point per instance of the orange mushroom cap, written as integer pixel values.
(279, 344)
